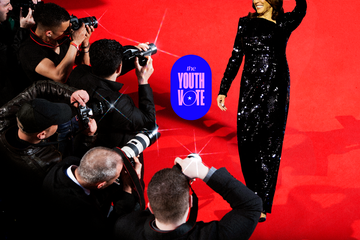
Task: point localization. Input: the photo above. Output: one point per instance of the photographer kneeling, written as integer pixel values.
(169, 202)
(78, 195)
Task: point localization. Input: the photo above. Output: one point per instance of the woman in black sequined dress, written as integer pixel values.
(264, 93)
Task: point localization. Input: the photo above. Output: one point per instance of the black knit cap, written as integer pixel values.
(39, 114)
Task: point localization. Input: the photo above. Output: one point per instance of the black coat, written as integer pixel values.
(72, 214)
(237, 224)
(121, 123)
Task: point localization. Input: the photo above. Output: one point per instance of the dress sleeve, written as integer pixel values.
(293, 19)
(235, 60)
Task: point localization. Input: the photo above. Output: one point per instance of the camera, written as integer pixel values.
(131, 52)
(139, 143)
(196, 156)
(24, 5)
(92, 109)
(77, 22)
(132, 149)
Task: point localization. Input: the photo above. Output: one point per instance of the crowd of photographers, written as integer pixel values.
(71, 143)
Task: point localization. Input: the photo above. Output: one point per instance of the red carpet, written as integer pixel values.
(318, 183)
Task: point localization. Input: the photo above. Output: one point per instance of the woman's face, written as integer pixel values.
(262, 7)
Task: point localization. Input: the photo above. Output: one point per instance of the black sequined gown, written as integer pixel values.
(264, 96)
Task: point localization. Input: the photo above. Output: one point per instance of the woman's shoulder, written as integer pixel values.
(243, 20)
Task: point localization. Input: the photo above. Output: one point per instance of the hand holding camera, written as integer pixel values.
(143, 73)
(126, 179)
(23, 11)
(192, 166)
(82, 28)
(79, 97)
(27, 21)
(79, 35)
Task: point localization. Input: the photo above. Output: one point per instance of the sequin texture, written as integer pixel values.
(264, 96)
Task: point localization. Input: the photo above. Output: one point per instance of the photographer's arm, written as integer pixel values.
(242, 220)
(132, 118)
(193, 168)
(126, 178)
(85, 141)
(27, 21)
(146, 98)
(23, 31)
(84, 57)
(143, 73)
(61, 72)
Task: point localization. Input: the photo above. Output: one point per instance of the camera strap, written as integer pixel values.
(134, 177)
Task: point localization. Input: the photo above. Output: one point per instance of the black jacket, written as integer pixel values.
(237, 224)
(119, 124)
(72, 214)
(28, 164)
(24, 167)
(32, 162)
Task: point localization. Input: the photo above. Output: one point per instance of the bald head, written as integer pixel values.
(98, 165)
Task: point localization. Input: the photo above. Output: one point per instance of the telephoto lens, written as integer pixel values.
(140, 142)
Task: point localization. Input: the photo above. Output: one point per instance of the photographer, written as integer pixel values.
(168, 194)
(49, 53)
(124, 119)
(14, 29)
(78, 195)
(26, 124)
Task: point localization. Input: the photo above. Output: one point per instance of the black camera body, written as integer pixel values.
(131, 52)
(77, 22)
(92, 109)
(24, 5)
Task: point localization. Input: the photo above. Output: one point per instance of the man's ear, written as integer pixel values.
(48, 33)
(118, 69)
(41, 135)
(191, 201)
(101, 185)
(150, 208)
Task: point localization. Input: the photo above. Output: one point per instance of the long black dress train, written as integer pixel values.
(264, 96)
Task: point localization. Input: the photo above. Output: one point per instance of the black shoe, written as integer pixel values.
(262, 217)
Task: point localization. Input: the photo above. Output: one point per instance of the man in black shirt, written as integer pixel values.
(123, 119)
(168, 194)
(49, 53)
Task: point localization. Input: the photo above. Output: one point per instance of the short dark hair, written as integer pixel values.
(168, 194)
(277, 6)
(50, 15)
(105, 57)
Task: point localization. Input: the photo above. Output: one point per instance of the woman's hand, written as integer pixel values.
(221, 102)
